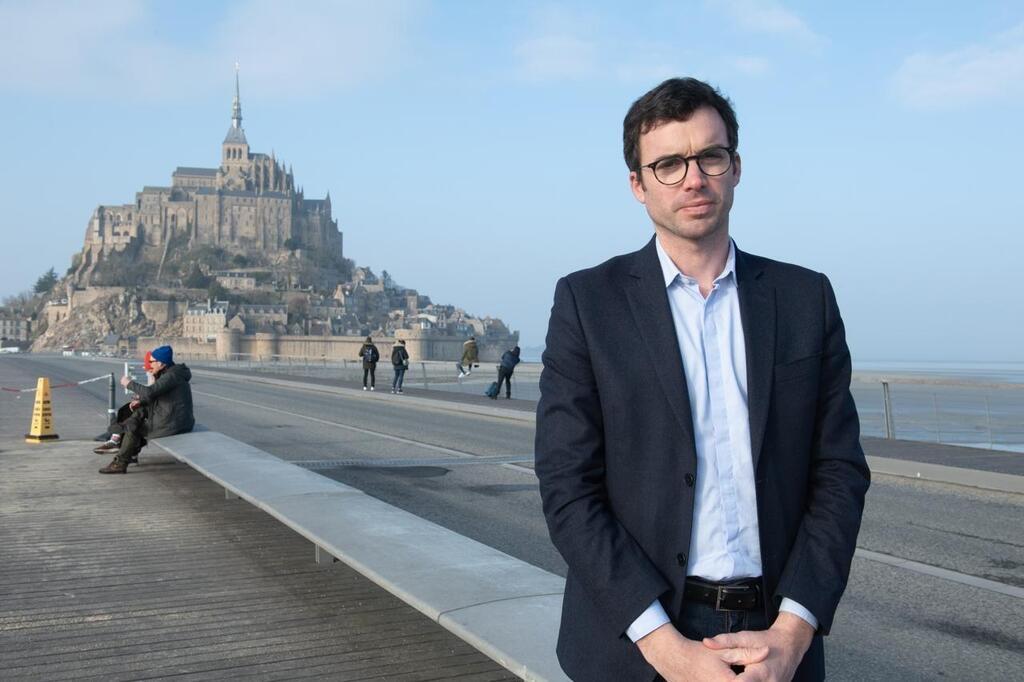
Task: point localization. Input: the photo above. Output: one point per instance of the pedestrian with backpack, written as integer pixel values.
(509, 360)
(400, 361)
(370, 356)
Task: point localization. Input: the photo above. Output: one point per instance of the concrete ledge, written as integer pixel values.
(507, 608)
(924, 471)
(511, 632)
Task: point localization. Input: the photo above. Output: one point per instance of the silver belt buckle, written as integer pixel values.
(721, 591)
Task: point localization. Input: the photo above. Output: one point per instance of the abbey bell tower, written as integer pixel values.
(235, 150)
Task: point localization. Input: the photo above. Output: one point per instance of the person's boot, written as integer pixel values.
(111, 445)
(116, 466)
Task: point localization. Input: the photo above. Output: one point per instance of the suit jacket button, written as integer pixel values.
(689, 480)
(681, 559)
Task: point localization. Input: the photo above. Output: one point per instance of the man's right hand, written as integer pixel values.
(678, 659)
(134, 405)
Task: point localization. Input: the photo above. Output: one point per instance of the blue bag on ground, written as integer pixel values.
(492, 390)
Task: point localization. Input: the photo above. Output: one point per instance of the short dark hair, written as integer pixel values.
(674, 100)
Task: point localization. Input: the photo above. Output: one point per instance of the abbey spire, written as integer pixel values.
(235, 149)
(236, 135)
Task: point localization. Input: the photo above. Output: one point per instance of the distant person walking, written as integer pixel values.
(509, 360)
(400, 361)
(164, 408)
(370, 356)
(470, 357)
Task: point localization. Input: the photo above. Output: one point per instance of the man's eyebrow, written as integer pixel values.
(716, 145)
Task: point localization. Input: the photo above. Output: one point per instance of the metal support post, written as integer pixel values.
(228, 495)
(890, 429)
(323, 557)
(112, 400)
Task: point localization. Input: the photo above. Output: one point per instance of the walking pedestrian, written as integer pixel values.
(470, 357)
(400, 361)
(509, 360)
(370, 356)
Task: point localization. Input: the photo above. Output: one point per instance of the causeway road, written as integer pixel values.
(937, 588)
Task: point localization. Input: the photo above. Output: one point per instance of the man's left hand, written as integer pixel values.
(125, 380)
(787, 641)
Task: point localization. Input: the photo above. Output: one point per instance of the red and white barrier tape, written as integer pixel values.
(52, 386)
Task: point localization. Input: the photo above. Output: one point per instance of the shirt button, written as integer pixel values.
(681, 559)
(689, 480)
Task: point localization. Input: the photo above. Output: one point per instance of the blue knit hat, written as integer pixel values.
(164, 354)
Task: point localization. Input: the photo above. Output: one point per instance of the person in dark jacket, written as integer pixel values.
(163, 408)
(116, 428)
(509, 360)
(400, 361)
(370, 356)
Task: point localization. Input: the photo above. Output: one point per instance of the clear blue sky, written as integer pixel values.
(473, 149)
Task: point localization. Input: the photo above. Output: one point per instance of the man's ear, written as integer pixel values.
(636, 184)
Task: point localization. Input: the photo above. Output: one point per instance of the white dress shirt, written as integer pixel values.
(724, 541)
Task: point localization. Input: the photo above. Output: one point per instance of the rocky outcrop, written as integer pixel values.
(88, 324)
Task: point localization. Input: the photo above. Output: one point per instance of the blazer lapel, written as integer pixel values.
(757, 312)
(648, 301)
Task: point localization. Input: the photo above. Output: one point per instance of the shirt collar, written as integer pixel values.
(669, 270)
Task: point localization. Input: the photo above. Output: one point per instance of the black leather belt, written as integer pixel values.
(731, 595)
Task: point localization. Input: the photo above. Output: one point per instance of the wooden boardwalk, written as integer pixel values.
(154, 575)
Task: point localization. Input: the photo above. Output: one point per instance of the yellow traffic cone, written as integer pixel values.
(42, 415)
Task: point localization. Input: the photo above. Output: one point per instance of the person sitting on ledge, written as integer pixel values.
(124, 413)
(163, 408)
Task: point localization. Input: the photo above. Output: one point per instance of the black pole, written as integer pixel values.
(112, 405)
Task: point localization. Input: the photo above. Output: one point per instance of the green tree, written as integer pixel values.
(217, 292)
(46, 282)
(196, 279)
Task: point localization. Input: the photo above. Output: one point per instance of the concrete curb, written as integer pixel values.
(503, 606)
(937, 473)
(884, 465)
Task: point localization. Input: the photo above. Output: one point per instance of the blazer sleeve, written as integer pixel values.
(818, 567)
(615, 573)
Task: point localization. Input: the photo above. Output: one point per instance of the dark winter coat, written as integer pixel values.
(367, 364)
(399, 356)
(509, 360)
(168, 402)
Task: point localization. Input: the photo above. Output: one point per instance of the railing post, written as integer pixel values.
(426, 384)
(890, 430)
(112, 401)
(988, 421)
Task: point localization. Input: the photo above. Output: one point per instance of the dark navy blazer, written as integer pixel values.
(615, 445)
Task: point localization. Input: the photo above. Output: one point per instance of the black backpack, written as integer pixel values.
(370, 354)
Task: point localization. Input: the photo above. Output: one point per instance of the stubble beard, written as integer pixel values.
(697, 233)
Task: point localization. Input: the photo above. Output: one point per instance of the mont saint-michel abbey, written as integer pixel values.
(248, 204)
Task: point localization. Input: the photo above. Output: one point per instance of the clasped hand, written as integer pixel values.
(766, 655)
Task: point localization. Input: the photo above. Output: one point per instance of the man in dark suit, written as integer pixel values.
(697, 444)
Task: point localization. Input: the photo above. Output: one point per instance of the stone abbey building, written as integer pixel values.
(248, 204)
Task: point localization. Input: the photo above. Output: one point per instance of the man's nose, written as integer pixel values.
(695, 178)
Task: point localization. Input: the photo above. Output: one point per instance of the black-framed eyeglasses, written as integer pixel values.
(712, 162)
